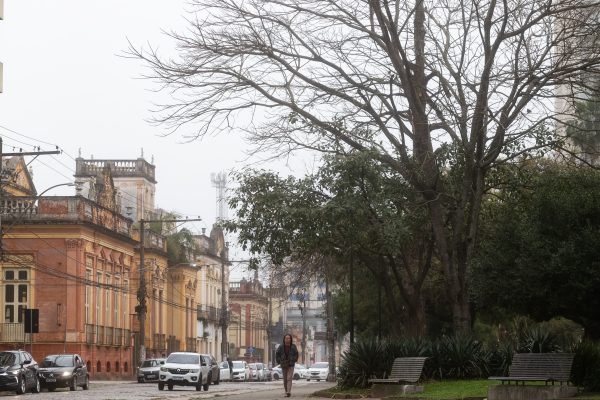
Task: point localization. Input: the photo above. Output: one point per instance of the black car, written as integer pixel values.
(63, 370)
(18, 372)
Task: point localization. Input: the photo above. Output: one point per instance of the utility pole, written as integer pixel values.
(223, 319)
(140, 309)
(330, 332)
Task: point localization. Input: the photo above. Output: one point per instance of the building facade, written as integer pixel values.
(248, 321)
(72, 260)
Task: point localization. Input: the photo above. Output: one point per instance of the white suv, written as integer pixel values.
(185, 369)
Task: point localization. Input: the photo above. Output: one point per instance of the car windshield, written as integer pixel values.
(57, 361)
(7, 359)
(238, 364)
(184, 359)
(147, 363)
(299, 366)
(321, 365)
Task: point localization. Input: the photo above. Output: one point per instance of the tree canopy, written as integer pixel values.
(401, 81)
(538, 253)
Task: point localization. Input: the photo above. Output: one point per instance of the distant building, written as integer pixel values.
(248, 321)
(134, 181)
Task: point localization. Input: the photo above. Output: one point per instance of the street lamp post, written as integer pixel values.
(302, 307)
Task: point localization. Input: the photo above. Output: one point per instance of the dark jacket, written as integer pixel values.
(292, 356)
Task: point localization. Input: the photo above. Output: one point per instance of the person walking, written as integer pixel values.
(286, 356)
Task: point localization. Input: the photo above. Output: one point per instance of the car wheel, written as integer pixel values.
(73, 385)
(170, 386)
(205, 386)
(296, 376)
(37, 387)
(307, 380)
(218, 379)
(161, 386)
(21, 389)
(86, 383)
(140, 380)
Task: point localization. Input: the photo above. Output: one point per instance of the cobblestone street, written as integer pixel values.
(118, 390)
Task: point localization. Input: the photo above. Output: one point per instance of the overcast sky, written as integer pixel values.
(65, 84)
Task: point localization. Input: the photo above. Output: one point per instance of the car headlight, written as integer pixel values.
(164, 369)
(194, 370)
(67, 373)
(14, 372)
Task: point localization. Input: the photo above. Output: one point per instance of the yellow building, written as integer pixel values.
(248, 321)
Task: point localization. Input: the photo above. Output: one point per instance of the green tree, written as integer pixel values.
(353, 210)
(585, 129)
(397, 80)
(539, 254)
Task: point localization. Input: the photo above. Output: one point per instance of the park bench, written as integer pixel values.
(546, 367)
(404, 369)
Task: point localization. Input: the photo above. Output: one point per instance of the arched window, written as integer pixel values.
(126, 367)
(108, 366)
(88, 365)
(98, 366)
(117, 366)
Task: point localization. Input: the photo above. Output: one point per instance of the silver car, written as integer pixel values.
(149, 370)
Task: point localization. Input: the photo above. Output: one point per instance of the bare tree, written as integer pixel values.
(409, 81)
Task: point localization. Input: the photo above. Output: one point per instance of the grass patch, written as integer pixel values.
(436, 390)
(453, 390)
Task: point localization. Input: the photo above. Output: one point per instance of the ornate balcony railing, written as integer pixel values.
(28, 209)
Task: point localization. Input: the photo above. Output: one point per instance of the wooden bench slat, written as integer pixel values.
(549, 367)
(404, 369)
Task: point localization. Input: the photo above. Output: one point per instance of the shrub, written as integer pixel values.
(586, 366)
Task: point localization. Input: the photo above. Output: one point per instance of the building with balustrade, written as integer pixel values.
(73, 259)
(76, 259)
(249, 321)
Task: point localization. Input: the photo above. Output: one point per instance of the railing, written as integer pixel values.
(159, 341)
(190, 344)
(208, 313)
(118, 167)
(106, 335)
(173, 344)
(62, 208)
(12, 333)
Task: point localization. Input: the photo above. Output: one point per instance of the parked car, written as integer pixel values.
(214, 373)
(224, 371)
(18, 372)
(268, 373)
(318, 371)
(276, 372)
(149, 370)
(63, 370)
(241, 371)
(185, 369)
(300, 372)
(257, 372)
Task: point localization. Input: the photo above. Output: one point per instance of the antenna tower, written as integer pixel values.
(219, 181)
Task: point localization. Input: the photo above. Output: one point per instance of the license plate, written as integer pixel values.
(178, 378)
(151, 376)
(50, 380)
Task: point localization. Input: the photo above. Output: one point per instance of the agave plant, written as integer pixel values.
(539, 339)
(363, 360)
(459, 357)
